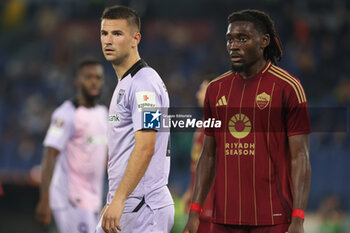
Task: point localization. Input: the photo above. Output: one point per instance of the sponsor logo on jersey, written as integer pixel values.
(145, 99)
(114, 118)
(56, 128)
(222, 101)
(239, 126)
(58, 123)
(97, 140)
(239, 148)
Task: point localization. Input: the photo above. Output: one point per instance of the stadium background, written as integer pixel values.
(41, 43)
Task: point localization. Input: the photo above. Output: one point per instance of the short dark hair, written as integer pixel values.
(122, 12)
(87, 62)
(264, 24)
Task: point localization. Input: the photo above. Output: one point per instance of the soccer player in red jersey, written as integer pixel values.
(260, 155)
(207, 212)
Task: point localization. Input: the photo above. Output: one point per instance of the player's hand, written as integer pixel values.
(112, 216)
(43, 212)
(102, 211)
(296, 226)
(192, 223)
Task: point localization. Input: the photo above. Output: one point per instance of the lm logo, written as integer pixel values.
(151, 119)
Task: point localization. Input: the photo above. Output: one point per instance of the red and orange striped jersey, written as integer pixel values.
(253, 176)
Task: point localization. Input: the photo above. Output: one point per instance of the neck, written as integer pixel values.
(121, 68)
(86, 102)
(253, 69)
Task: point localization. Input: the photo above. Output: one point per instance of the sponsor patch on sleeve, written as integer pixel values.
(56, 128)
(145, 99)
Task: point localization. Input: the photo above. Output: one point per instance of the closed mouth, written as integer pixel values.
(109, 50)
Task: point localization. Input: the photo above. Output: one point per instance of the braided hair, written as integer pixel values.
(264, 24)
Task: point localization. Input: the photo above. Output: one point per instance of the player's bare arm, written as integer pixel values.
(186, 199)
(43, 211)
(139, 160)
(301, 176)
(205, 174)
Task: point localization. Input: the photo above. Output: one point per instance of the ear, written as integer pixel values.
(136, 40)
(265, 40)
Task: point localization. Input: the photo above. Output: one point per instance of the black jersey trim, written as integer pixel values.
(138, 207)
(135, 68)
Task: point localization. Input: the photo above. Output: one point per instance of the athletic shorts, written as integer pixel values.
(225, 228)
(75, 220)
(145, 220)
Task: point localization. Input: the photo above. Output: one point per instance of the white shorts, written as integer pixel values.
(75, 220)
(145, 220)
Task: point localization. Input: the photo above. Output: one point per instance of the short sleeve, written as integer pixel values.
(143, 96)
(60, 131)
(208, 113)
(297, 113)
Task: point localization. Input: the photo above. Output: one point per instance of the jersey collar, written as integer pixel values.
(135, 68)
(261, 72)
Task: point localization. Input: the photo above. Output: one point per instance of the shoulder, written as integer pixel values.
(282, 76)
(146, 74)
(65, 110)
(220, 79)
(102, 108)
(287, 81)
(64, 115)
(147, 79)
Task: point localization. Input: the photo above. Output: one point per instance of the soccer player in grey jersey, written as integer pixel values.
(138, 166)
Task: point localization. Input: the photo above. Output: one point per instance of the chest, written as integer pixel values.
(90, 126)
(243, 103)
(259, 93)
(120, 107)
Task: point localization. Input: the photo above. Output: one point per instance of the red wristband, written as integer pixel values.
(196, 207)
(298, 213)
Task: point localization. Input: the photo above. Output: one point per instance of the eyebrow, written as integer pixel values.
(229, 35)
(114, 31)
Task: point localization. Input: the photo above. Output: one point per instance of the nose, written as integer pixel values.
(95, 80)
(233, 45)
(107, 39)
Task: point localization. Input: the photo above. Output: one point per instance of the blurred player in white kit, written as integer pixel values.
(74, 161)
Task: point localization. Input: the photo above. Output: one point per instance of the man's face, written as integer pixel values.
(117, 39)
(90, 81)
(245, 44)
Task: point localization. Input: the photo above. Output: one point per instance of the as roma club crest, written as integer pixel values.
(262, 100)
